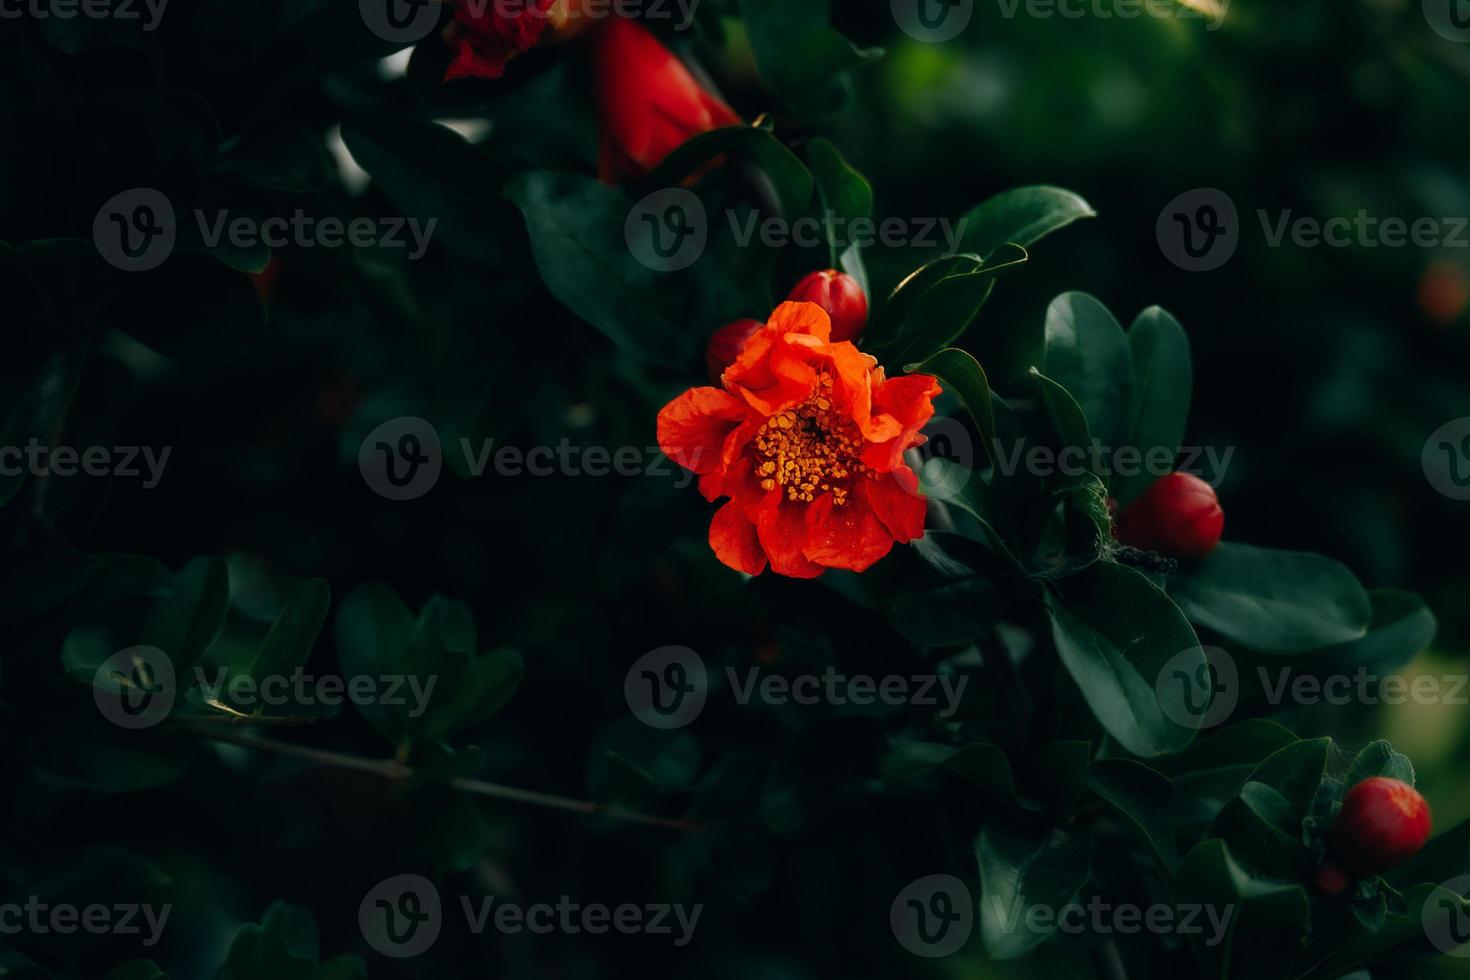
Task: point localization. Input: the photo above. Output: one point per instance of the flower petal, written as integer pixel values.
(850, 536)
(692, 428)
(895, 499)
(733, 537)
(909, 403)
(781, 526)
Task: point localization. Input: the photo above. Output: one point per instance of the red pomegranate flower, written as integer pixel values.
(649, 103)
(485, 36)
(807, 439)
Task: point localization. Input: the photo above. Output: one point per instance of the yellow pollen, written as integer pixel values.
(809, 449)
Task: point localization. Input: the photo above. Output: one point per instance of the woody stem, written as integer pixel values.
(399, 772)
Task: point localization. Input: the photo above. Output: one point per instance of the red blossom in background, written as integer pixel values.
(485, 36)
(648, 102)
(807, 439)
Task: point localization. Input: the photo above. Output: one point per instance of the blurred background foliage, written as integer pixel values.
(1326, 369)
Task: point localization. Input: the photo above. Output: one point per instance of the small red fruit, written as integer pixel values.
(725, 344)
(841, 296)
(1383, 823)
(1178, 516)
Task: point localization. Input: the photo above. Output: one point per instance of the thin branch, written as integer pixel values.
(396, 771)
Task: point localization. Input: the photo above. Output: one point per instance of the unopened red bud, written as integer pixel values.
(1179, 516)
(841, 296)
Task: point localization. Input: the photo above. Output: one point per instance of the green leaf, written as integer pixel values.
(14, 966)
(1022, 216)
(284, 946)
(429, 172)
(1379, 759)
(963, 375)
(934, 306)
(1088, 354)
(1059, 773)
(1144, 796)
(846, 194)
(1425, 908)
(1163, 374)
(578, 237)
(1066, 417)
(378, 637)
(1267, 919)
(1115, 632)
(1400, 628)
(374, 631)
(186, 620)
(1273, 601)
(1246, 743)
(799, 57)
(35, 388)
(1021, 869)
(288, 644)
(981, 763)
(789, 176)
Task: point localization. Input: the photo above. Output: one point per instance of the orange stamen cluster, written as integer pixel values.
(808, 449)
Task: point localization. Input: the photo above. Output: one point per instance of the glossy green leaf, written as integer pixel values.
(1115, 632)
(933, 307)
(1088, 354)
(1022, 216)
(1144, 796)
(1272, 601)
(1163, 382)
(1022, 869)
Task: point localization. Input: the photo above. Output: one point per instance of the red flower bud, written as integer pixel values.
(1178, 516)
(841, 296)
(1383, 823)
(648, 102)
(725, 345)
